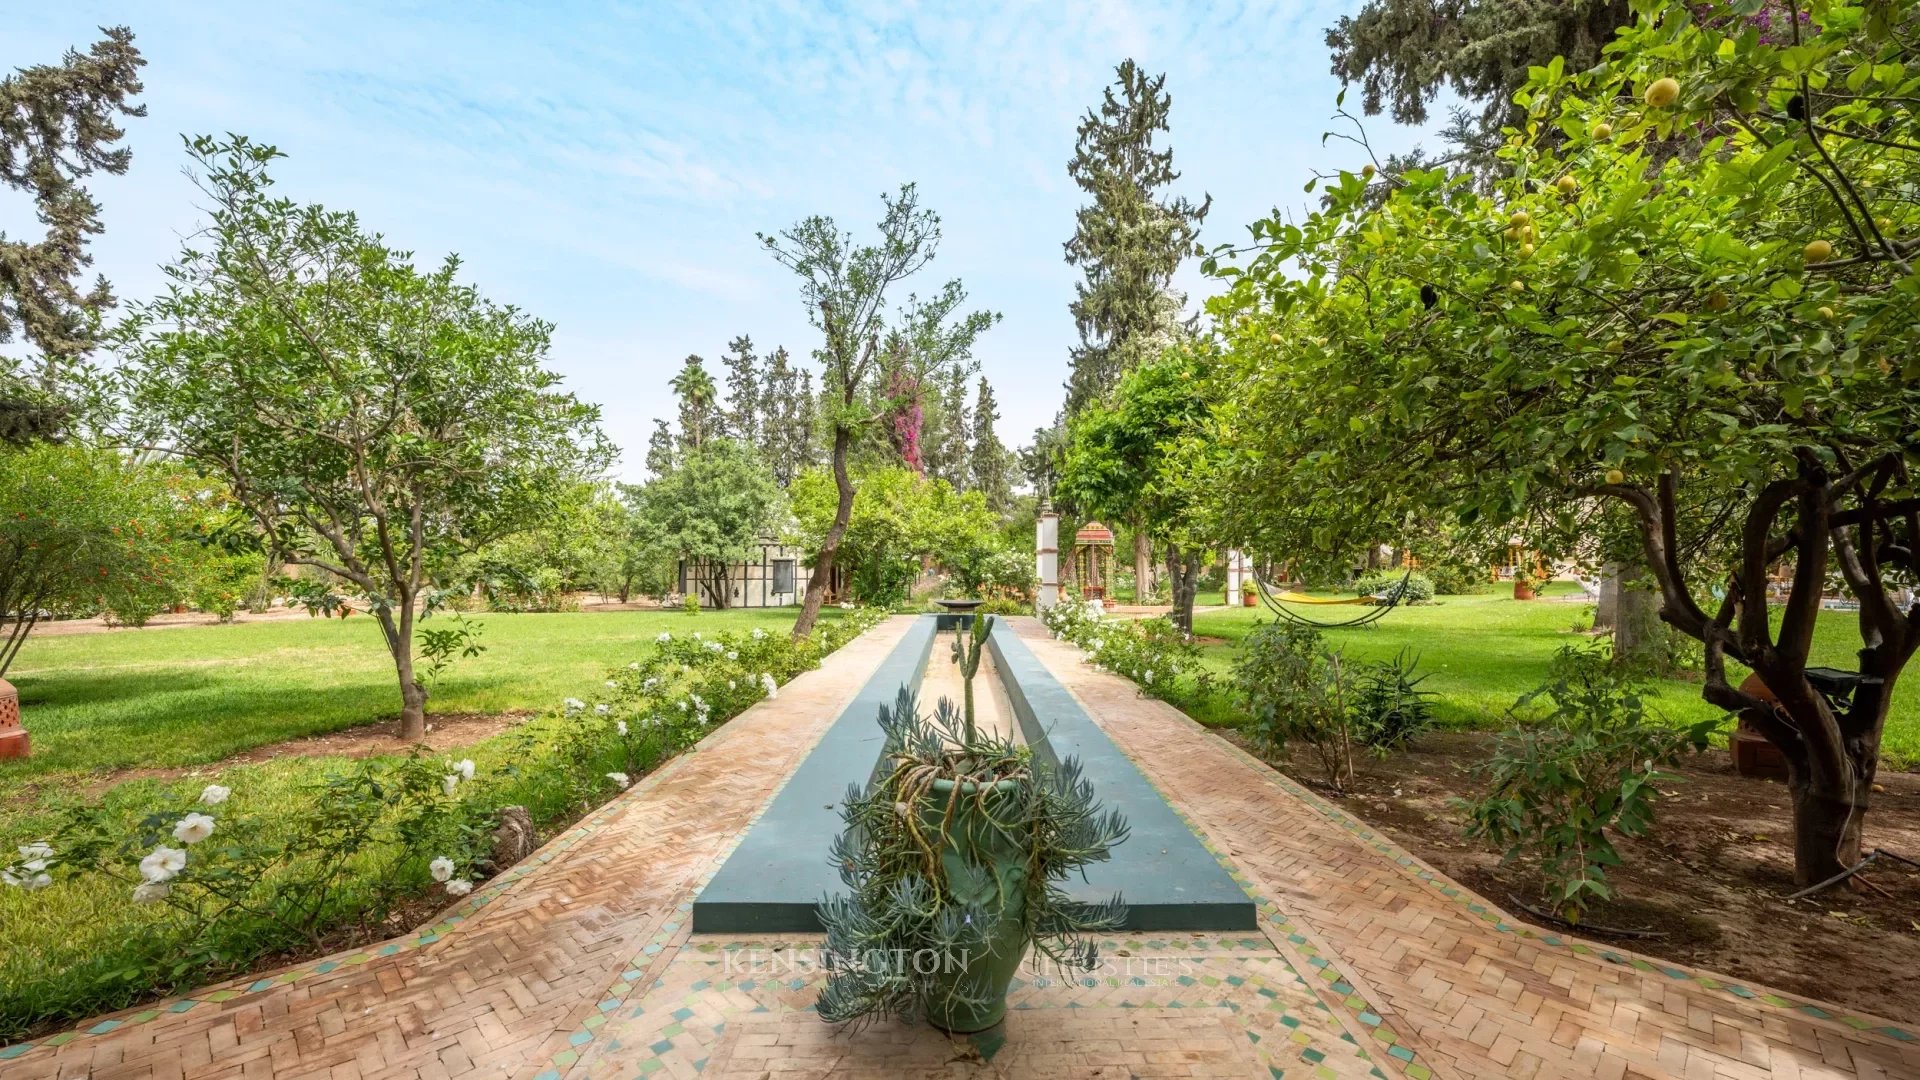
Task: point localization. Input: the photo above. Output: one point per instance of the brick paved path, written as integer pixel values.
(579, 965)
(506, 984)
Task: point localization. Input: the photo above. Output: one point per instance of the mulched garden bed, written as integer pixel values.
(1712, 878)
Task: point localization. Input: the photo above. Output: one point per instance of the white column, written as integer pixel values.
(1046, 557)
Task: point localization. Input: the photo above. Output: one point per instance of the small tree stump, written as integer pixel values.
(512, 838)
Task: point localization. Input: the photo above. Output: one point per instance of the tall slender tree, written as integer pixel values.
(990, 465)
(846, 288)
(57, 127)
(786, 433)
(745, 392)
(660, 449)
(699, 403)
(1130, 237)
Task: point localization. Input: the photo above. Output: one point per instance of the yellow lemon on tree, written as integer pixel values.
(1520, 219)
(1567, 185)
(1516, 285)
(1366, 171)
(1274, 337)
(1663, 93)
(1615, 476)
(1602, 131)
(1818, 251)
(1826, 313)
(1526, 251)
(1718, 301)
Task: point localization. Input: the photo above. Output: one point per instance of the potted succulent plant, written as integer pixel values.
(953, 857)
(1524, 584)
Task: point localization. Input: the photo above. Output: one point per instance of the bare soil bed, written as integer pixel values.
(1711, 879)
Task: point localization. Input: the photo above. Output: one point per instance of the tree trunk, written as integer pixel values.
(1142, 567)
(1639, 638)
(1826, 834)
(1183, 572)
(1607, 608)
(830, 544)
(413, 696)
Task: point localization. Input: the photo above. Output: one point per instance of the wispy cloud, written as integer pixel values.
(606, 163)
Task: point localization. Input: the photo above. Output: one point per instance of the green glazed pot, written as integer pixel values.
(972, 996)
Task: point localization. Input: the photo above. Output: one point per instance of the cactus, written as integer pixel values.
(968, 639)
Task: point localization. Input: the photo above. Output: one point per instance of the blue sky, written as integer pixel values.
(606, 165)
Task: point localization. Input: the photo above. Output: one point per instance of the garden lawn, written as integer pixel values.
(1485, 651)
(195, 695)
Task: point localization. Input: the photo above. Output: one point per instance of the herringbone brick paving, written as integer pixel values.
(503, 988)
(582, 965)
(1475, 993)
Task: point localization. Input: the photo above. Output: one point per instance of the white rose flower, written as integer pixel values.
(664, 637)
(163, 863)
(758, 633)
(450, 782)
(733, 684)
(652, 681)
(574, 704)
(193, 828)
(635, 666)
(682, 704)
(766, 683)
(151, 892)
(620, 778)
(1149, 677)
(621, 727)
(464, 767)
(602, 709)
(732, 655)
(441, 869)
(459, 887)
(214, 794)
(611, 685)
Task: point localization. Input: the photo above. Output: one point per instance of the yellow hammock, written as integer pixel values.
(1303, 598)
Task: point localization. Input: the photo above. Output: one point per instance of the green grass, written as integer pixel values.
(195, 695)
(1485, 651)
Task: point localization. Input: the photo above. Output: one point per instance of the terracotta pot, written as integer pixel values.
(13, 737)
(1522, 591)
(1247, 599)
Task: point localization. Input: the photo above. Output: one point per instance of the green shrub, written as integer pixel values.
(1562, 780)
(1151, 652)
(1407, 588)
(690, 604)
(1006, 607)
(1388, 707)
(222, 582)
(1295, 691)
(1457, 579)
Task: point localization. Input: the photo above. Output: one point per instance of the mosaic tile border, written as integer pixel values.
(1265, 1049)
(447, 924)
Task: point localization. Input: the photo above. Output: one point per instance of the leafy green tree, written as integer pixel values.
(57, 127)
(1405, 53)
(1130, 238)
(900, 521)
(700, 417)
(84, 530)
(1143, 455)
(847, 289)
(372, 417)
(711, 511)
(1711, 352)
(745, 394)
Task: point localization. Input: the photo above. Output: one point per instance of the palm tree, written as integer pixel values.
(698, 400)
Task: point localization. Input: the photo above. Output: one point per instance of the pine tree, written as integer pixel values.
(660, 449)
(699, 403)
(57, 128)
(947, 430)
(745, 396)
(1130, 239)
(991, 465)
(1403, 53)
(786, 432)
